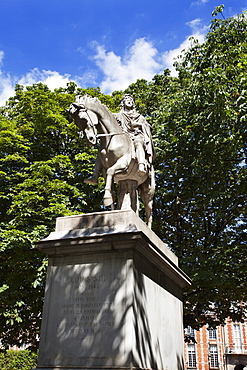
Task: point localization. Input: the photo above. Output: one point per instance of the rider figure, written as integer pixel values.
(139, 130)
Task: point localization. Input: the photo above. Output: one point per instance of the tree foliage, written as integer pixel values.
(18, 360)
(199, 129)
(43, 163)
(199, 125)
(201, 199)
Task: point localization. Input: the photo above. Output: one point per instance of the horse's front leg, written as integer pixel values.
(121, 164)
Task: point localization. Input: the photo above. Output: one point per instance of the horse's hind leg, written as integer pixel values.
(147, 193)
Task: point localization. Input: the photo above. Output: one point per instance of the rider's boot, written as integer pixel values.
(92, 180)
(96, 172)
(140, 155)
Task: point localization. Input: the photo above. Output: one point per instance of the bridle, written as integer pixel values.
(91, 124)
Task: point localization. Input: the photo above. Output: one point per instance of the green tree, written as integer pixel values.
(201, 171)
(199, 128)
(18, 360)
(43, 163)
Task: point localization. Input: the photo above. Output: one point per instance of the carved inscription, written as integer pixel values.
(88, 309)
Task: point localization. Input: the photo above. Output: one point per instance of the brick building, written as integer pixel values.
(223, 348)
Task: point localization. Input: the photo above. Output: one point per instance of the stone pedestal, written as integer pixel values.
(113, 296)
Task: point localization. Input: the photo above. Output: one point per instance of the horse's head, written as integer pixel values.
(86, 120)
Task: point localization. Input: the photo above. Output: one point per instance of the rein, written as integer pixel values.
(110, 134)
(84, 109)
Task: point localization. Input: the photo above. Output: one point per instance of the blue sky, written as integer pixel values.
(105, 43)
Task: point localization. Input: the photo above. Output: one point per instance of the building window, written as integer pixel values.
(213, 356)
(212, 333)
(189, 331)
(191, 350)
(237, 338)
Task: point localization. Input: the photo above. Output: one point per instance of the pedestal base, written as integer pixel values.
(113, 296)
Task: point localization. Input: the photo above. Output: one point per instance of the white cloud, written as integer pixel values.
(199, 2)
(198, 33)
(197, 27)
(6, 88)
(52, 79)
(140, 61)
(194, 24)
(89, 79)
(170, 56)
(1, 57)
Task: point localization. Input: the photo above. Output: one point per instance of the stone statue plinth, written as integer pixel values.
(113, 296)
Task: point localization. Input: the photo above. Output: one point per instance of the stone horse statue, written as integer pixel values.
(116, 156)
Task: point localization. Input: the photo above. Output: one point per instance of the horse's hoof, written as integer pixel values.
(142, 173)
(142, 170)
(107, 202)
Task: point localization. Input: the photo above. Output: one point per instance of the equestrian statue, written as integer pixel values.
(126, 151)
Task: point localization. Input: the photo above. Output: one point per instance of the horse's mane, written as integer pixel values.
(82, 98)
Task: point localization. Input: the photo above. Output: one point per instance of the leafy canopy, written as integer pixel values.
(199, 126)
(201, 170)
(43, 163)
